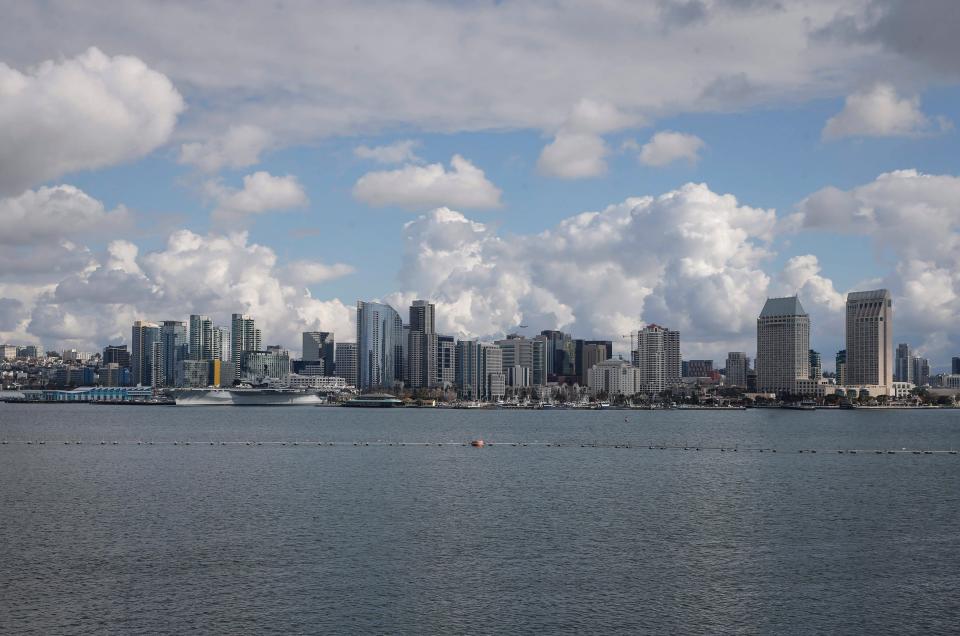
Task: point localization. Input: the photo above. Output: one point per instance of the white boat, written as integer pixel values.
(246, 396)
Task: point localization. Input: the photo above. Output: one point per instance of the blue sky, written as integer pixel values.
(550, 109)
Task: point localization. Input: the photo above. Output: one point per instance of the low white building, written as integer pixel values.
(614, 377)
(316, 382)
(901, 390)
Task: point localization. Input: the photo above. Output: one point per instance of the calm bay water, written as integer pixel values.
(233, 538)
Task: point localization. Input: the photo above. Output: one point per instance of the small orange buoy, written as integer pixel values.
(478, 443)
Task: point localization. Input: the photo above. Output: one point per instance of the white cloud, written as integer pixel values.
(689, 258)
(397, 152)
(668, 146)
(261, 192)
(80, 113)
(214, 274)
(578, 150)
(312, 272)
(880, 112)
(51, 214)
(239, 147)
(418, 187)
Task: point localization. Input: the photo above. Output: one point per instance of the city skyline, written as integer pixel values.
(589, 201)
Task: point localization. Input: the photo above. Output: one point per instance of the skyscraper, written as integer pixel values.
(346, 362)
(921, 371)
(244, 336)
(446, 361)
(783, 345)
(176, 345)
(422, 346)
(842, 367)
(319, 345)
(467, 374)
(588, 353)
(201, 337)
(379, 346)
(816, 366)
(143, 338)
(955, 366)
(737, 365)
(517, 354)
(870, 338)
(657, 355)
(903, 364)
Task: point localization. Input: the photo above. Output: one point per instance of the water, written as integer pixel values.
(233, 538)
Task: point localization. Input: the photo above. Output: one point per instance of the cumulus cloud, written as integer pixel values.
(668, 146)
(689, 258)
(51, 214)
(880, 112)
(81, 113)
(578, 150)
(419, 187)
(239, 147)
(397, 152)
(261, 192)
(215, 274)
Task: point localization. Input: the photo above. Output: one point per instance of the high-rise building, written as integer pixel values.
(446, 361)
(467, 374)
(955, 366)
(422, 346)
(33, 352)
(783, 345)
(379, 346)
(870, 338)
(903, 364)
(561, 355)
(244, 336)
(176, 345)
(816, 366)
(589, 354)
(517, 353)
(142, 350)
(842, 367)
(319, 345)
(737, 365)
(921, 371)
(201, 337)
(273, 362)
(657, 355)
(116, 354)
(538, 376)
(346, 362)
(493, 380)
(217, 338)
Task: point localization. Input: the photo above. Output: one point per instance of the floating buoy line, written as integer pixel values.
(479, 444)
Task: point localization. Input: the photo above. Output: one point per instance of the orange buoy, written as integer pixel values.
(478, 443)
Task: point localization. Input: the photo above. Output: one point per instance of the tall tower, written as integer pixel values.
(379, 346)
(143, 337)
(244, 336)
(870, 338)
(201, 337)
(422, 345)
(319, 345)
(737, 365)
(657, 355)
(902, 364)
(783, 345)
(175, 345)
